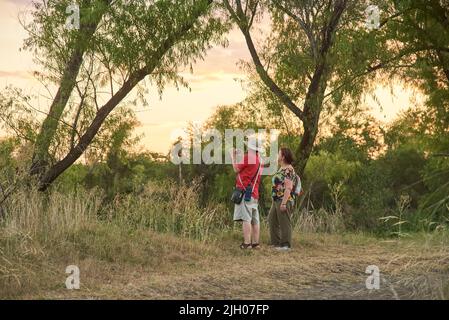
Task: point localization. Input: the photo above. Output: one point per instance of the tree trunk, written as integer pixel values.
(305, 147)
(137, 76)
(315, 94)
(68, 80)
(91, 131)
(312, 111)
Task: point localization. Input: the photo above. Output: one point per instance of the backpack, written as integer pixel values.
(297, 188)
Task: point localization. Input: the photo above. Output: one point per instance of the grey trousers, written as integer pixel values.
(280, 224)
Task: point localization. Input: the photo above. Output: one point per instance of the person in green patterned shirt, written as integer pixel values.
(279, 218)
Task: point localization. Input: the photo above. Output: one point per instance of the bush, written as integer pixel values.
(435, 204)
(324, 170)
(168, 207)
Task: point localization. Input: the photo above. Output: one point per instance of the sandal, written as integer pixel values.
(255, 246)
(245, 246)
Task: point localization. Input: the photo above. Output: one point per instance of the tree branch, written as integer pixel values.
(260, 69)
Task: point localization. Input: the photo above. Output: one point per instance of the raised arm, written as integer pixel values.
(235, 165)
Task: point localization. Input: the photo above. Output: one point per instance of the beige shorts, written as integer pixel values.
(247, 211)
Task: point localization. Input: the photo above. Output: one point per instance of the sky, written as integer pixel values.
(214, 82)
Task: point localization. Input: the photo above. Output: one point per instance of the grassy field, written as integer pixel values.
(130, 256)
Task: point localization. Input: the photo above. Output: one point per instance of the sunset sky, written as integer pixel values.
(213, 83)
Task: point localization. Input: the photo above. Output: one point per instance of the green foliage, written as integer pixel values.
(436, 202)
(7, 162)
(405, 166)
(330, 168)
(17, 116)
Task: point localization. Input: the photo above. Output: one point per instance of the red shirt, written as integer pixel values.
(247, 170)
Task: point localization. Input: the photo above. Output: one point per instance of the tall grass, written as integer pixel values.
(55, 214)
(39, 230)
(159, 207)
(172, 209)
(36, 226)
(307, 219)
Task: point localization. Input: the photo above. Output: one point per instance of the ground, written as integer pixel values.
(319, 267)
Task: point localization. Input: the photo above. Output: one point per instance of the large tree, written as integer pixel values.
(320, 55)
(119, 45)
(310, 28)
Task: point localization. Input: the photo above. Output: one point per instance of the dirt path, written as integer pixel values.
(315, 269)
(291, 276)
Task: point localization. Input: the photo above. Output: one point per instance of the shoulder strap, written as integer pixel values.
(240, 179)
(252, 179)
(256, 175)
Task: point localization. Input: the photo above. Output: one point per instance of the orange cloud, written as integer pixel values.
(16, 74)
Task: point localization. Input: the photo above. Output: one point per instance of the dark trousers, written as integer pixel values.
(280, 224)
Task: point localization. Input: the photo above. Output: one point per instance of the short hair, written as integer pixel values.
(288, 155)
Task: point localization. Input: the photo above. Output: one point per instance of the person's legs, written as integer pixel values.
(285, 223)
(246, 232)
(241, 214)
(255, 222)
(255, 234)
(248, 213)
(273, 224)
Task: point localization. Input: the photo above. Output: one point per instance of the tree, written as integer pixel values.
(119, 44)
(321, 55)
(315, 24)
(67, 55)
(426, 26)
(423, 30)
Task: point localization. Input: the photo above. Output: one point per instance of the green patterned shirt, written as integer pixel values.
(278, 183)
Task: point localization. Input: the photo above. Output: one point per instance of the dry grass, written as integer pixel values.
(171, 209)
(320, 266)
(311, 220)
(42, 234)
(149, 247)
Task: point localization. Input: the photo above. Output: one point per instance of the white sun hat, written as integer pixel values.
(255, 143)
